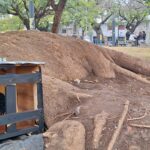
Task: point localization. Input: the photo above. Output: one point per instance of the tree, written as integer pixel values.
(58, 9)
(133, 12)
(107, 8)
(81, 13)
(43, 8)
(144, 2)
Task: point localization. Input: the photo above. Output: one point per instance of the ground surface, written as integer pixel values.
(63, 61)
(110, 96)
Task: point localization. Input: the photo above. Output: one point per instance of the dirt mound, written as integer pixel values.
(68, 59)
(64, 57)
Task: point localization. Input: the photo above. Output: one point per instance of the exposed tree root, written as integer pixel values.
(140, 126)
(132, 119)
(130, 63)
(120, 123)
(130, 74)
(99, 122)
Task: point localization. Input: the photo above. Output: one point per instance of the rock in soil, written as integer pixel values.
(65, 135)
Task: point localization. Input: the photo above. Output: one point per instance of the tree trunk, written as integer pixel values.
(99, 33)
(132, 27)
(56, 22)
(37, 22)
(58, 13)
(27, 26)
(25, 21)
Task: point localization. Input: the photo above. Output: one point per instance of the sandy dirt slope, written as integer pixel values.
(68, 59)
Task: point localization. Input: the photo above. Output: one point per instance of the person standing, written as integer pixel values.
(128, 35)
(132, 39)
(144, 36)
(139, 39)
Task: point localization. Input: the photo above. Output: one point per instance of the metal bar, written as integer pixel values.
(40, 104)
(113, 31)
(11, 104)
(19, 78)
(17, 117)
(19, 132)
(32, 14)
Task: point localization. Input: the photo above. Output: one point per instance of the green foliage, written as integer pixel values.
(7, 6)
(80, 12)
(45, 23)
(10, 24)
(147, 2)
(133, 12)
(20, 8)
(42, 9)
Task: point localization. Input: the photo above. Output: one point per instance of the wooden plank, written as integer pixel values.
(11, 104)
(17, 117)
(25, 102)
(20, 78)
(19, 132)
(35, 95)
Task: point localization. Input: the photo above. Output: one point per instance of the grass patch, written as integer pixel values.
(140, 52)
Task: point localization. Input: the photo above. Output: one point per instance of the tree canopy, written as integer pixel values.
(133, 12)
(43, 8)
(80, 13)
(107, 8)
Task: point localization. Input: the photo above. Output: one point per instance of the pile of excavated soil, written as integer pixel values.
(68, 59)
(65, 57)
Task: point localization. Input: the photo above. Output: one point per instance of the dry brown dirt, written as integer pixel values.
(66, 60)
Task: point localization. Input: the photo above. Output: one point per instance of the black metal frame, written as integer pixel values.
(12, 117)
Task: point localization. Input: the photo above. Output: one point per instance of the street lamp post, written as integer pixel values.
(113, 31)
(32, 15)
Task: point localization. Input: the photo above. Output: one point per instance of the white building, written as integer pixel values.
(69, 31)
(120, 32)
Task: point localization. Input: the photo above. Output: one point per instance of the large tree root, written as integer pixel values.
(99, 122)
(120, 123)
(107, 63)
(130, 63)
(130, 74)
